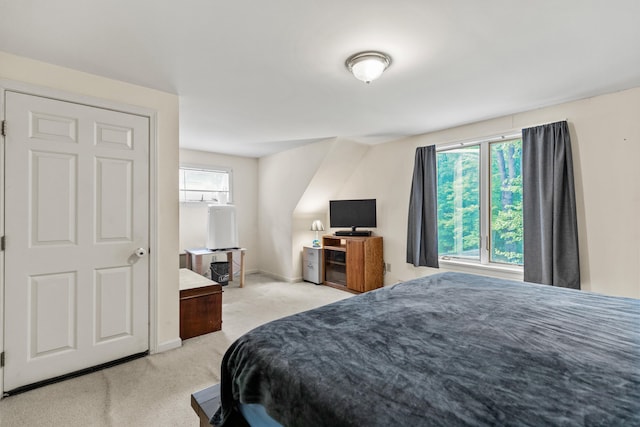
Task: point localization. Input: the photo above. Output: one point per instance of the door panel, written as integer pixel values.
(77, 207)
(114, 198)
(355, 265)
(52, 314)
(53, 192)
(114, 295)
(52, 128)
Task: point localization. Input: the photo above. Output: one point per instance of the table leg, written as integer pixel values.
(198, 265)
(241, 269)
(230, 261)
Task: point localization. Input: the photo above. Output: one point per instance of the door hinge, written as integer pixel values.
(2, 243)
(4, 128)
(2, 360)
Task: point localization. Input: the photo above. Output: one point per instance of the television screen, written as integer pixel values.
(352, 213)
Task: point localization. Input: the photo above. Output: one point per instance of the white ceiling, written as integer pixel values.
(256, 77)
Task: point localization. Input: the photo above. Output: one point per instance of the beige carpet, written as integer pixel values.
(156, 390)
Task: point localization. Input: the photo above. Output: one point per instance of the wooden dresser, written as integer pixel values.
(353, 263)
(200, 305)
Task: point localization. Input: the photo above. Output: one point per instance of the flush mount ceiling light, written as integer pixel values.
(368, 66)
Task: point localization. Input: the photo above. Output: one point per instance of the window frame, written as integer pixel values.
(203, 168)
(484, 263)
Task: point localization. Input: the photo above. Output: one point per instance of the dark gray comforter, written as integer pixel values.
(444, 350)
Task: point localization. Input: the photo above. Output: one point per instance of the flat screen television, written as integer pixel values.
(352, 214)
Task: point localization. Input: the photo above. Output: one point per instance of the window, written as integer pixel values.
(480, 202)
(205, 185)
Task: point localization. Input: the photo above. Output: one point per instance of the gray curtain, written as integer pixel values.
(549, 207)
(422, 232)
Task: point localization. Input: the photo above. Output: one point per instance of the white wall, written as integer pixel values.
(336, 167)
(295, 187)
(24, 70)
(282, 181)
(193, 216)
(605, 133)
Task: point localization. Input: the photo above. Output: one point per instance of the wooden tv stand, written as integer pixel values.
(353, 263)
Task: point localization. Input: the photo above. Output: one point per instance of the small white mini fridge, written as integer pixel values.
(222, 231)
(312, 265)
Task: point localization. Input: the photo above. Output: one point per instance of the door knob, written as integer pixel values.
(140, 252)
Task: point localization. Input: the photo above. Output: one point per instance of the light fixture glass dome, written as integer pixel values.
(368, 66)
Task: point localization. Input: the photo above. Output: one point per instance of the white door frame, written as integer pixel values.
(30, 89)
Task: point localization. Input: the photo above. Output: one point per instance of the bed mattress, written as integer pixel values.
(444, 350)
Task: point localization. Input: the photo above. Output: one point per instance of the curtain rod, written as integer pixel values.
(542, 124)
(510, 134)
(493, 138)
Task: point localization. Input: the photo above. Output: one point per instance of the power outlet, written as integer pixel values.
(387, 267)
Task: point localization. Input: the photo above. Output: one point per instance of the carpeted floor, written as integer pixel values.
(156, 390)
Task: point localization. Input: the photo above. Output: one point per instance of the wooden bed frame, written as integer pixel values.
(206, 402)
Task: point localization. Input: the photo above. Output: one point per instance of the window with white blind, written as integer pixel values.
(205, 185)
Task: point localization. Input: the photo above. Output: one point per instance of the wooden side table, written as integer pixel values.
(200, 305)
(195, 264)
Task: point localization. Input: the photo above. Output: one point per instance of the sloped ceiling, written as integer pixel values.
(337, 165)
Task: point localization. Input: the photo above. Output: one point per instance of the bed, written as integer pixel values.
(444, 350)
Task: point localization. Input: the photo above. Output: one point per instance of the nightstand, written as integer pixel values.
(200, 305)
(312, 265)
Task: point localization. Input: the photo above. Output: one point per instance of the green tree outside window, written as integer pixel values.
(460, 205)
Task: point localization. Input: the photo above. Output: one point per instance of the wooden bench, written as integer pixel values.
(205, 403)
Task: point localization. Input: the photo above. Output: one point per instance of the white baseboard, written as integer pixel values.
(278, 277)
(169, 345)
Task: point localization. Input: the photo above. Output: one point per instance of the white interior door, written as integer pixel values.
(77, 210)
